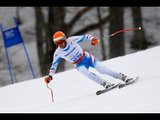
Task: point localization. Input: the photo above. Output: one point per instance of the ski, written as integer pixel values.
(129, 83)
(106, 90)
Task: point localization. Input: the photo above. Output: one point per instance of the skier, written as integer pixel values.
(70, 50)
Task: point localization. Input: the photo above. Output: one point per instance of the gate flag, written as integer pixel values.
(13, 37)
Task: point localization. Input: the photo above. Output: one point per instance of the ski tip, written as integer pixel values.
(97, 93)
(121, 85)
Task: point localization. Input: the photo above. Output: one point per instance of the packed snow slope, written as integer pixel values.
(74, 93)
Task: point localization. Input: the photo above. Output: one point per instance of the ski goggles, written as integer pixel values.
(59, 41)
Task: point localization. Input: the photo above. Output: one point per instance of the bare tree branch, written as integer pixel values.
(93, 26)
(78, 15)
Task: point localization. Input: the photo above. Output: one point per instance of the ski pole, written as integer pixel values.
(123, 30)
(51, 92)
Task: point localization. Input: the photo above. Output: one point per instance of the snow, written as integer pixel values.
(74, 93)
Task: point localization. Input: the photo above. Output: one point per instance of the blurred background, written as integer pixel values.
(38, 24)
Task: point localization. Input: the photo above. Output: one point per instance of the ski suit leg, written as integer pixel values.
(96, 64)
(82, 69)
(105, 70)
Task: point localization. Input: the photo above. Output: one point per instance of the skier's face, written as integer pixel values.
(62, 44)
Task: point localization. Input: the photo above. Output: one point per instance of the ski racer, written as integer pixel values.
(71, 51)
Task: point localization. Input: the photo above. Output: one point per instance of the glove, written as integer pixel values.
(94, 41)
(48, 79)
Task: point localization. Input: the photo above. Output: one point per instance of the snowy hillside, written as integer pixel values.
(74, 93)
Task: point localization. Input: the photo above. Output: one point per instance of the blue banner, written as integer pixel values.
(11, 37)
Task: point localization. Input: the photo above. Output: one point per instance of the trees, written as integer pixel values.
(40, 30)
(139, 40)
(116, 43)
(101, 31)
(56, 20)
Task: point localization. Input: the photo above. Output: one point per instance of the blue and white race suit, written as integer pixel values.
(81, 59)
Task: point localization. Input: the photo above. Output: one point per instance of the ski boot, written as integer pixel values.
(107, 85)
(124, 78)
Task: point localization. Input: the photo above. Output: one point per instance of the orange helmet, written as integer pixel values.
(58, 36)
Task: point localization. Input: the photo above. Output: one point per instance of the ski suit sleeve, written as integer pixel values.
(81, 38)
(56, 60)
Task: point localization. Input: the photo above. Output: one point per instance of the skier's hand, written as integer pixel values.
(48, 79)
(94, 41)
